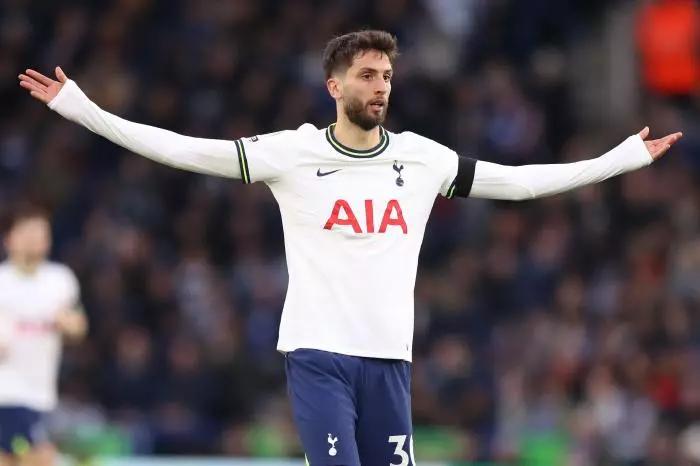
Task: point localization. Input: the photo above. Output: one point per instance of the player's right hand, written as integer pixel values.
(42, 87)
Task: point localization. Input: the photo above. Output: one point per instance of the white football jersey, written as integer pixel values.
(28, 308)
(353, 226)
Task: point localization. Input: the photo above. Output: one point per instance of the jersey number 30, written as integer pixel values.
(400, 450)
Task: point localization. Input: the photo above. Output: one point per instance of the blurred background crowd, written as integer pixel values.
(562, 331)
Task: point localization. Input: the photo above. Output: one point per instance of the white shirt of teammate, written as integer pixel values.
(28, 307)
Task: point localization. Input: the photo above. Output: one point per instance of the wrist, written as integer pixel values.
(64, 93)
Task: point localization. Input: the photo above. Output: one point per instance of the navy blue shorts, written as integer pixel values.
(349, 410)
(20, 428)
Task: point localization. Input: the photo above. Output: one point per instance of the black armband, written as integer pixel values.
(462, 184)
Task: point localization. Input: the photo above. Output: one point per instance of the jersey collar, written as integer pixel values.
(360, 154)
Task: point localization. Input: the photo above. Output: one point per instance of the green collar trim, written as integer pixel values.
(360, 154)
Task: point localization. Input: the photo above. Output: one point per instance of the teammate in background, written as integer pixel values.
(354, 200)
(38, 306)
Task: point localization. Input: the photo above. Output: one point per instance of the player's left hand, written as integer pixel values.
(658, 147)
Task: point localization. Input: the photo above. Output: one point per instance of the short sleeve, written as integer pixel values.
(72, 289)
(267, 156)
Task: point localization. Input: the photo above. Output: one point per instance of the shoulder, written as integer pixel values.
(268, 157)
(309, 129)
(409, 139)
(308, 133)
(4, 270)
(58, 271)
(285, 136)
(439, 157)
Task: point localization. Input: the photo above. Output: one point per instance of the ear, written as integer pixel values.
(335, 87)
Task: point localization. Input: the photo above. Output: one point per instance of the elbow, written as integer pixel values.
(521, 193)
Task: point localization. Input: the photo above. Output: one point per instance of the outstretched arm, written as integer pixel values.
(494, 181)
(209, 156)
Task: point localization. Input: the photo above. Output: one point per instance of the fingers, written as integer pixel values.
(668, 140)
(33, 82)
(659, 153)
(31, 86)
(673, 138)
(659, 147)
(35, 89)
(61, 75)
(644, 133)
(46, 81)
(40, 96)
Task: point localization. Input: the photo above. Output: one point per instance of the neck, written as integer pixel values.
(24, 266)
(354, 137)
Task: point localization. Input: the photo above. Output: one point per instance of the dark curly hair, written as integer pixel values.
(340, 51)
(23, 211)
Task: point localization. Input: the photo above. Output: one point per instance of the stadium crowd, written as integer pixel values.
(563, 328)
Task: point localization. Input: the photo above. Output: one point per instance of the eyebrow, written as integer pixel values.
(374, 70)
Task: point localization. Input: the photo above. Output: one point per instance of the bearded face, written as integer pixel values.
(363, 89)
(366, 115)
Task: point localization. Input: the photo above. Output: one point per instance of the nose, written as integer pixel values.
(382, 88)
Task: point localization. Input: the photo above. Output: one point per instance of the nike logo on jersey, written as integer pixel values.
(320, 173)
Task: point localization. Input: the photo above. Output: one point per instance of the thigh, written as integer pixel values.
(320, 389)
(384, 429)
(42, 454)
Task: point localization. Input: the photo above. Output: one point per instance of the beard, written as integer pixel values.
(361, 114)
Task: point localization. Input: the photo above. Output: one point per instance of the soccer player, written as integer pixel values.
(354, 200)
(38, 306)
